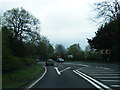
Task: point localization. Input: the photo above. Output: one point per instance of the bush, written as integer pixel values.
(11, 63)
(29, 61)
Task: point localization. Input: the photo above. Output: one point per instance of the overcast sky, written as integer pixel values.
(62, 21)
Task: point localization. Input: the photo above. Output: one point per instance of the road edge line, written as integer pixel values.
(38, 79)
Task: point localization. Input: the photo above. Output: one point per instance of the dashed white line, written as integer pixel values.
(77, 64)
(106, 77)
(104, 74)
(110, 80)
(105, 68)
(82, 68)
(115, 85)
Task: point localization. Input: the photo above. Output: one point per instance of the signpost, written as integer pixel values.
(105, 54)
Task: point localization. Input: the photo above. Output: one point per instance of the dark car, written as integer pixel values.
(49, 62)
(60, 60)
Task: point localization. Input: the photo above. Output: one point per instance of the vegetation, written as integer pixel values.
(21, 78)
(22, 43)
(21, 46)
(109, 30)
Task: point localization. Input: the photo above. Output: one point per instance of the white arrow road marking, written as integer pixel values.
(65, 69)
(59, 72)
(56, 68)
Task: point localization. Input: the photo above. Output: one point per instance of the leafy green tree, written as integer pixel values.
(23, 25)
(24, 28)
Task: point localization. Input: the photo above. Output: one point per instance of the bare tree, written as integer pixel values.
(107, 10)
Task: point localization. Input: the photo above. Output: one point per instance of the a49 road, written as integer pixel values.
(79, 75)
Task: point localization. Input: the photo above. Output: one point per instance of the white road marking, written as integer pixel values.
(59, 72)
(106, 77)
(83, 65)
(103, 74)
(105, 68)
(65, 69)
(115, 85)
(95, 80)
(38, 79)
(61, 65)
(110, 80)
(77, 64)
(100, 88)
(82, 68)
(56, 68)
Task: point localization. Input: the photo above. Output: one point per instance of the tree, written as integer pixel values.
(91, 54)
(76, 51)
(104, 34)
(60, 50)
(109, 31)
(107, 10)
(50, 51)
(23, 25)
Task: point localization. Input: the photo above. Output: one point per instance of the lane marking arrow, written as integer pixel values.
(56, 68)
(65, 69)
(59, 72)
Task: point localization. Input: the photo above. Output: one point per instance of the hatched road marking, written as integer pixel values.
(110, 80)
(94, 82)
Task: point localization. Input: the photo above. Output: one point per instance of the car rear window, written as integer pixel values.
(61, 59)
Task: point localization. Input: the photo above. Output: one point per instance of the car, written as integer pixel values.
(49, 62)
(60, 60)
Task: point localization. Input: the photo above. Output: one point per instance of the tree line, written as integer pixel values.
(22, 43)
(107, 35)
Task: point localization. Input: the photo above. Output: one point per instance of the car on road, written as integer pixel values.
(49, 62)
(60, 60)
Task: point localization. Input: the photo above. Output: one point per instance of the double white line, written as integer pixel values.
(94, 82)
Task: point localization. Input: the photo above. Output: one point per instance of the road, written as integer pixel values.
(80, 75)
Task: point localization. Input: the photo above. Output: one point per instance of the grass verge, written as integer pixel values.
(21, 78)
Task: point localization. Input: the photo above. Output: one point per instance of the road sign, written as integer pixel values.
(105, 51)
